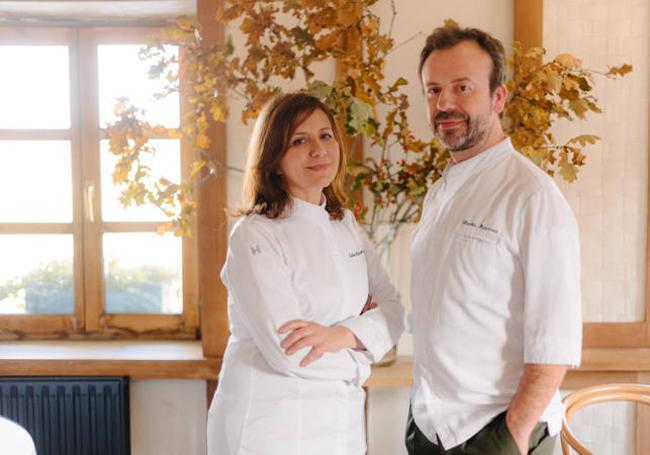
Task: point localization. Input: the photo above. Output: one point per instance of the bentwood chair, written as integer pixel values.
(597, 394)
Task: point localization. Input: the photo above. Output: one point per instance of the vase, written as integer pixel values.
(383, 248)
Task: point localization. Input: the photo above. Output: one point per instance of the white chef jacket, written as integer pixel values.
(495, 285)
(14, 439)
(303, 266)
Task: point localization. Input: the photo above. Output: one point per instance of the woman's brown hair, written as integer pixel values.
(264, 191)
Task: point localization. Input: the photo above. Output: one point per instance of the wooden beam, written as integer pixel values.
(529, 22)
(353, 145)
(212, 222)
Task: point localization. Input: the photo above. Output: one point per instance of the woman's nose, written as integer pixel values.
(317, 148)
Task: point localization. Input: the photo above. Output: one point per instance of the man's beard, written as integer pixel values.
(470, 133)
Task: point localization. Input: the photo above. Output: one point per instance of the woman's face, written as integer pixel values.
(312, 158)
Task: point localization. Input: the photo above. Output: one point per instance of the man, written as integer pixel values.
(496, 271)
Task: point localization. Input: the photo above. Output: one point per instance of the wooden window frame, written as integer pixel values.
(89, 319)
(528, 31)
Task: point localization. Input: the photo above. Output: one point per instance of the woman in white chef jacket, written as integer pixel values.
(299, 274)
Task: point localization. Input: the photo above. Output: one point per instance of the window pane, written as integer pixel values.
(165, 163)
(143, 273)
(36, 274)
(34, 87)
(35, 181)
(123, 74)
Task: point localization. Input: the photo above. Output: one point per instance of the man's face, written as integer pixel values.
(460, 108)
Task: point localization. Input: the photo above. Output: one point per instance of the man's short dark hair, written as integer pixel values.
(447, 37)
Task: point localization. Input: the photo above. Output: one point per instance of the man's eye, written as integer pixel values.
(434, 90)
(464, 88)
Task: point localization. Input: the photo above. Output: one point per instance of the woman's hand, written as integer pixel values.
(321, 338)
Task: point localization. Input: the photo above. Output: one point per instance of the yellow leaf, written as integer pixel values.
(217, 113)
(554, 80)
(585, 139)
(202, 141)
(450, 23)
(197, 166)
(570, 84)
(620, 70)
(165, 227)
(174, 134)
(568, 61)
(567, 170)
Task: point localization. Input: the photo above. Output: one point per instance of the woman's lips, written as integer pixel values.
(319, 167)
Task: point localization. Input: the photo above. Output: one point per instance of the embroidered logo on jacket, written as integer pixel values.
(354, 254)
(255, 249)
(480, 226)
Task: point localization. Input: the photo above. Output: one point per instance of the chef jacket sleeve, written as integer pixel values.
(378, 329)
(259, 281)
(550, 255)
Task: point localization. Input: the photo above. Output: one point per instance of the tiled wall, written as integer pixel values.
(610, 197)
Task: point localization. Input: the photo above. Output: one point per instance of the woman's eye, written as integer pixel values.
(298, 141)
(326, 136)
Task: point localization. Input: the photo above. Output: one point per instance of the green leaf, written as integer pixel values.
(320, 89)
(229, 48)
(359, 112)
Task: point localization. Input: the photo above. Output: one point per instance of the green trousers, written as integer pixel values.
(493, 439)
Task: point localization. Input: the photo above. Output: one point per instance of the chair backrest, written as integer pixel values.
(597, 394)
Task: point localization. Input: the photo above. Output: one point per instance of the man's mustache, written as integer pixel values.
(448, 115)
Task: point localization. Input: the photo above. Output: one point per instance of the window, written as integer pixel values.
(73, 261)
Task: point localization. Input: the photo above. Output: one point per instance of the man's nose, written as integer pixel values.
(445, 100)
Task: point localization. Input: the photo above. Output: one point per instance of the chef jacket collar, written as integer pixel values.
(456, 174)
(314, 211)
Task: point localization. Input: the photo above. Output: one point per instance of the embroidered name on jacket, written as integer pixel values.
(354, 254)
(480, 226)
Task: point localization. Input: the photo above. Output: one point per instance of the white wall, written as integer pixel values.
(168, 417)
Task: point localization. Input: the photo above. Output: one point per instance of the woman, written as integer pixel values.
(299, 272)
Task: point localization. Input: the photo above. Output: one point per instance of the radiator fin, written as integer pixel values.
(70, 416)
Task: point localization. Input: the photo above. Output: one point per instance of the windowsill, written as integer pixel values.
(137, 359)
(185, 360)
(598, 364)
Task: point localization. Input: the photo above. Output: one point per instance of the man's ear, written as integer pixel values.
(500, 95)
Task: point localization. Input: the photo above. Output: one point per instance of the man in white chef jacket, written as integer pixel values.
(496, 271)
